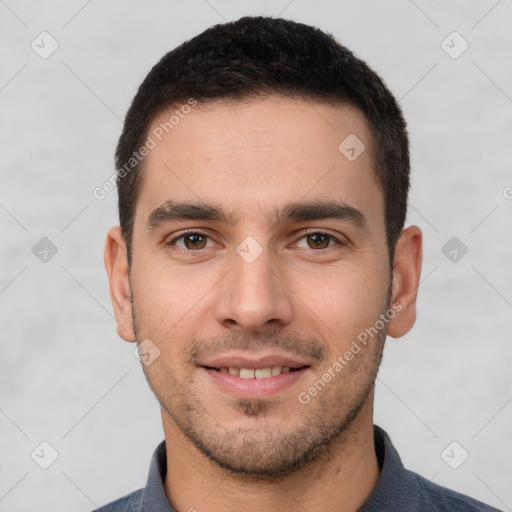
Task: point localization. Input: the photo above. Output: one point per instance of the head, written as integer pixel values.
(263, 224)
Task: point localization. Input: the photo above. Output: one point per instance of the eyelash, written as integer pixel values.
(189, 252)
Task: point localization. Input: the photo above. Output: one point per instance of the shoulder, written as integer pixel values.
(438, 498)
(130, 503)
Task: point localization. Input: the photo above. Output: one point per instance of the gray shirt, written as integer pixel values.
(397, 490)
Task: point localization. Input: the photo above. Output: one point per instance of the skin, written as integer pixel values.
(303, 295)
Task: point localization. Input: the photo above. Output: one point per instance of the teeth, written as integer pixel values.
(246, 373)
(276, 370)
(259, 373)
(263, 373)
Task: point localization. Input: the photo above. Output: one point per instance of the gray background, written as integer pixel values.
(65, 376)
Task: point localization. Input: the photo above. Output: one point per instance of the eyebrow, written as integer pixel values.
(173, 211)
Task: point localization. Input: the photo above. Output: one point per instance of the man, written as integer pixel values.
(260, 263)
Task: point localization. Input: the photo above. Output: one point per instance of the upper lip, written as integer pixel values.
(246, 361)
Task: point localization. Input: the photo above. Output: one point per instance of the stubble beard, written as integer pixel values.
(266, 452)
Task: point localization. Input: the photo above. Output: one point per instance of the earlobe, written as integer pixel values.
(116, 265)
(406, 278)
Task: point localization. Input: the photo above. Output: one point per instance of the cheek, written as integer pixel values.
(344, 302)
(167, 299)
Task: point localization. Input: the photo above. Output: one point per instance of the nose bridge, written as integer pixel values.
(252, 294)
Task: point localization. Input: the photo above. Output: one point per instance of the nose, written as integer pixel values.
(254, 295)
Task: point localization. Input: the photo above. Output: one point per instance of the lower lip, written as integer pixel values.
(255, 388)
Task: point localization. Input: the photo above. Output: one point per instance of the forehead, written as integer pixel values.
(254, 155)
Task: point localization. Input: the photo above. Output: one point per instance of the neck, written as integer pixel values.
(341, 480)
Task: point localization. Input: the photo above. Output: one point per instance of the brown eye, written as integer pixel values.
(194, 241)
(319, 241)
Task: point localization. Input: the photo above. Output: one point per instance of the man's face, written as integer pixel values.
(260, 290)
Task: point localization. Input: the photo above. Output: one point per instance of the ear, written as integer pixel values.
(406, 279)
(116, 264)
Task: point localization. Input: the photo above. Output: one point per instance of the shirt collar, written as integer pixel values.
(154, 498)
(393, 477)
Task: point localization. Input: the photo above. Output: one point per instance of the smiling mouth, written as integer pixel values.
(256, 373)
